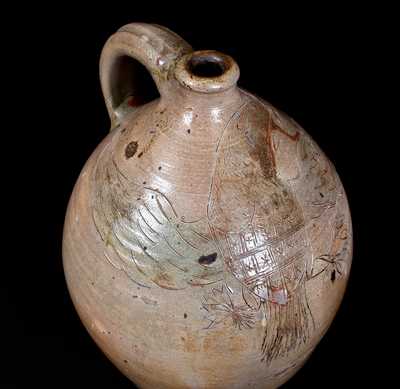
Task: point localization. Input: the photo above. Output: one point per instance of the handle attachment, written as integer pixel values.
(154, 46)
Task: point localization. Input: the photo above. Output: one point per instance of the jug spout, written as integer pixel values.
(207, 79)
(207, 71)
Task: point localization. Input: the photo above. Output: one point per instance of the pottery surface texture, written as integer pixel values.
(208, 240)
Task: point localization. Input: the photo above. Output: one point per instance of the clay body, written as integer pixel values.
(208, 240)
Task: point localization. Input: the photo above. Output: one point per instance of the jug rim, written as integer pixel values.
(207, 71)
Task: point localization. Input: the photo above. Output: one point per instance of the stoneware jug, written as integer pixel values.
(208, 240)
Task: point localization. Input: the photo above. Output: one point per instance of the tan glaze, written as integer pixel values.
(208, 240)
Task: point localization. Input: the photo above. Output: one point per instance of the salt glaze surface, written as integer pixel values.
(208, 239)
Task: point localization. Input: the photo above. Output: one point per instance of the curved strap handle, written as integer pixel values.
(155, 47)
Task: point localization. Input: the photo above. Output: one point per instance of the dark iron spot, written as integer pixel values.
(321, 194)
(188, 130)
(140, 154)
(125, 361)
(159, 168)
(185, 315)
(144, 182)
(207, 259)
(131, 149)
(144, 248)
(333, 276)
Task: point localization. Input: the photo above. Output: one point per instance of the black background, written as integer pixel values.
(312, 65)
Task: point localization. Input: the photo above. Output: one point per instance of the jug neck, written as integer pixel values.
(207, 78)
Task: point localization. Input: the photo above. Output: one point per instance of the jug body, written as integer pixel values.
(208, 240)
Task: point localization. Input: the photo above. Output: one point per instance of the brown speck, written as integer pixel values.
(161, 112)
(333, 276)
(321, 194)
(113, 277)
(144, 248)
(92, 283)
(134, 296)
(188, 130)
(207, 259)
(144, 183)
(131, 149)
(185, 315)
(123, 130)
(159, 168)
(140, 154)
(125, 361)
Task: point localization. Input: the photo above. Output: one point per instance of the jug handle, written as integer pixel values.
(154, 46)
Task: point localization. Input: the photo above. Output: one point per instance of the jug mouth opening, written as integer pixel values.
(207, 71)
